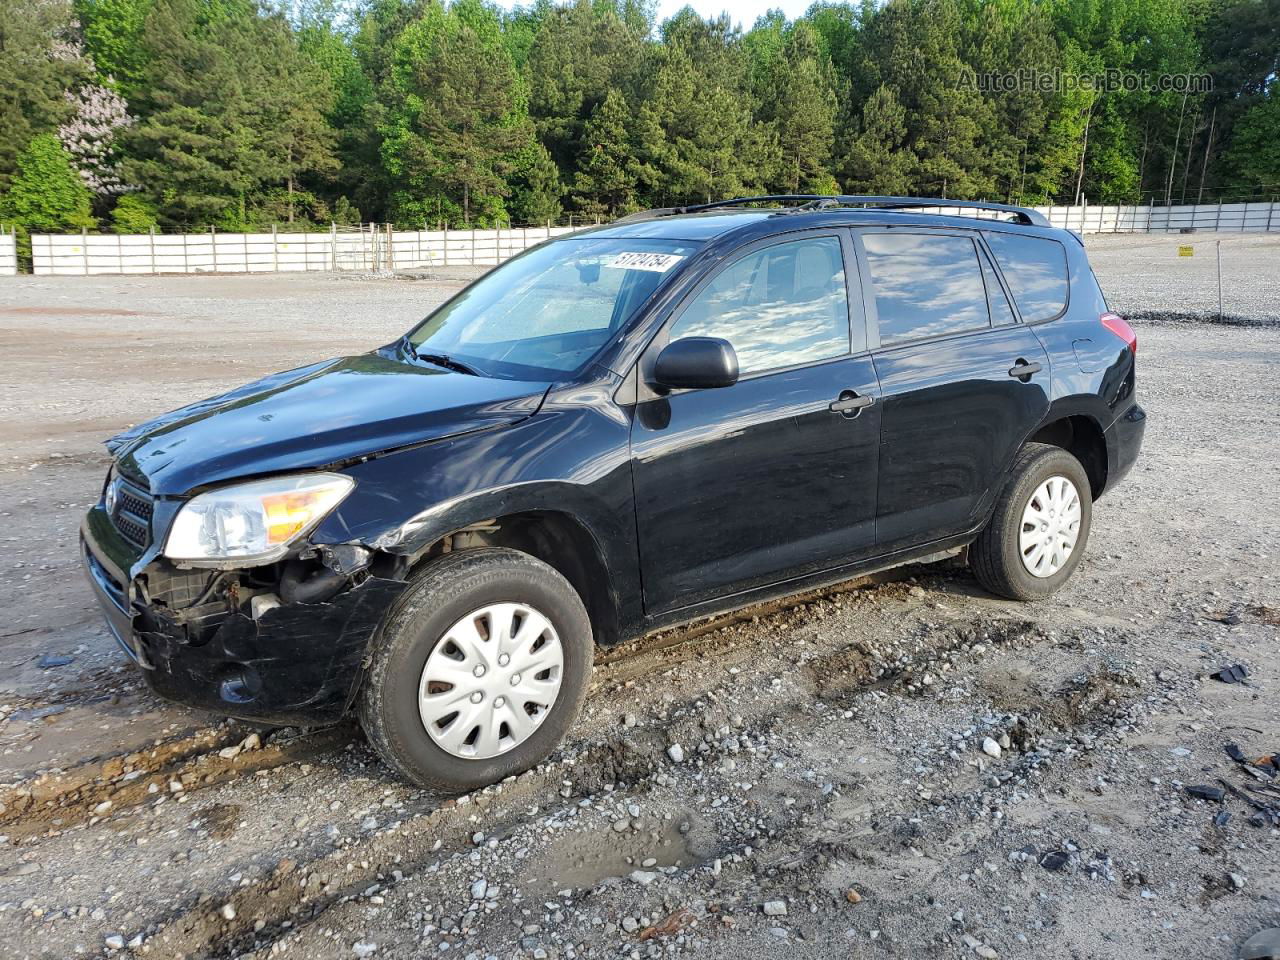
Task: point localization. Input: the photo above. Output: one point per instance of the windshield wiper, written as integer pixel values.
(443, 360)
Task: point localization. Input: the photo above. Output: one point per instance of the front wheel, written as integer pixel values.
(478, 672)
(1038, 531)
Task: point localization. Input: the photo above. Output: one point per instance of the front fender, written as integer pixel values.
(571, 458)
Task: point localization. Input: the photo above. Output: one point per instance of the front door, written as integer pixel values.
(964, 384)
(748, 485)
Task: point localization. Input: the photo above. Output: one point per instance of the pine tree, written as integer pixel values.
(230, 110)
(292, 121)
(580, 52)
(195, 152)
(535, 185)
(803, 112)
(47, 195)
(950, 159)
(1003, 37)
(914, 45)
(359, 172)
(878, 161)
(699, 99)
(609, 174)
(456, 129)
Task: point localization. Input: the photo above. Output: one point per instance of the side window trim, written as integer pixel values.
(855, 290)
(663, 336)
(989, 263)
(872, 311)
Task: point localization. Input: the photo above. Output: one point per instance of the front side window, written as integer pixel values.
(545, 313)
(925, 285)
(780, 306)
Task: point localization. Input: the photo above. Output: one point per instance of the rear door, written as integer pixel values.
(744, 486)
(963, 383)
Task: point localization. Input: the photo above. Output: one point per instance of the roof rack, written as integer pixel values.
(809, 201)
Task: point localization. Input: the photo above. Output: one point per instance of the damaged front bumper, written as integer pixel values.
(294, 663)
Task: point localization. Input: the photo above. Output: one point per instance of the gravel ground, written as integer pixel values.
(1145, 275)
(903, 766)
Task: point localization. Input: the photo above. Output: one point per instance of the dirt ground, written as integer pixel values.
(831, 795)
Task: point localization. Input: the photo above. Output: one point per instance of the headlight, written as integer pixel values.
(256, 520)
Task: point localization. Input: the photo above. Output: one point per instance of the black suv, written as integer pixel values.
(682, 412)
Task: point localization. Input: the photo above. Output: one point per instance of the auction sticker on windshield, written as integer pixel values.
(657, 262)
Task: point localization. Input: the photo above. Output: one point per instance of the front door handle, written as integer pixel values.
(1023, 370)
(850, 404)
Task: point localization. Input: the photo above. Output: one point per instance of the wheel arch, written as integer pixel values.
(539, 524)
(1080, 434)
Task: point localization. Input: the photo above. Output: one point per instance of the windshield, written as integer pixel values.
(545, 313)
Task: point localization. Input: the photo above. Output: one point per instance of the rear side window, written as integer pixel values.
(1036, 270)
(780, 306)
(925, 285)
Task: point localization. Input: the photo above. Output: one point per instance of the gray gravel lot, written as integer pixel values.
(1145, 275)
(833, 797)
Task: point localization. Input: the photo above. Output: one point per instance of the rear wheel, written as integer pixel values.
(479, 671)
(1038, 531)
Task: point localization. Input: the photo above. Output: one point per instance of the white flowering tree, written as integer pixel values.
(98, 116)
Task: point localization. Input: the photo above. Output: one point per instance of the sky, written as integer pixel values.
(744, 12)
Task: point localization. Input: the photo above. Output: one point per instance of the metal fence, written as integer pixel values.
(8, 254)
(378, 247)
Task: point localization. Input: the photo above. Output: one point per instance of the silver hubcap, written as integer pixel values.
(1050, 527)
(491, 680)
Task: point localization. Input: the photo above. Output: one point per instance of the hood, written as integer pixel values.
(315, 416)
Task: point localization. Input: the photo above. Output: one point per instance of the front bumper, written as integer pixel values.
(295, 664)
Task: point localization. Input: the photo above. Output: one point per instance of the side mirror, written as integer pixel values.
(696, 363)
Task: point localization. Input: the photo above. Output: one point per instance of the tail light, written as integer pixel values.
(1120, 327)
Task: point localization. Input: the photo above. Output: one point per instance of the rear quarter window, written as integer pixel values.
(1036, 270)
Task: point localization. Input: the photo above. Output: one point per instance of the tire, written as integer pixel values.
(996, 556)
(441, 599)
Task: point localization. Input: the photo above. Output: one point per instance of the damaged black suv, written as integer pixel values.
(621, 429)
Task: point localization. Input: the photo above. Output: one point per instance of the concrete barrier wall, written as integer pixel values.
(184, 253)
(1225, 217)
(371, 249)
(1116, 218)
(374, 248)
(8, 255)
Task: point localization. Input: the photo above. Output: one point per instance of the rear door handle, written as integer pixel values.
(1023, 370)
(851, 403)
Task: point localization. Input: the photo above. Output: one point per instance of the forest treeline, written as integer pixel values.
(128, 114)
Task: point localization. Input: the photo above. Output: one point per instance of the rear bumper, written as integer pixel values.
(1124, 442)
(296, 664)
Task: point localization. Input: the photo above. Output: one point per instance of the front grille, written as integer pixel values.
(132, 513)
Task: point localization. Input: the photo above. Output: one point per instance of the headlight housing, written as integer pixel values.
(254, 521)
